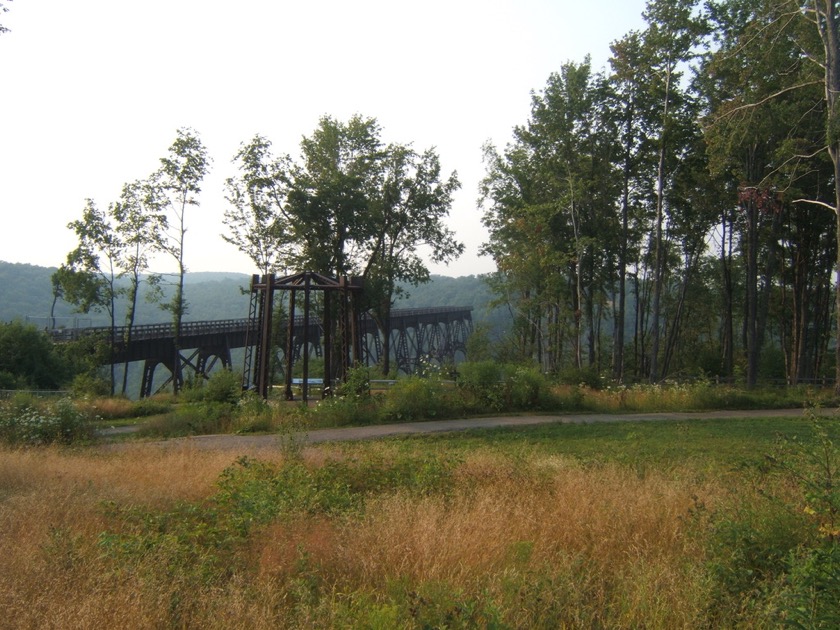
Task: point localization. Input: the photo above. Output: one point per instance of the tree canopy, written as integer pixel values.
(694, 183)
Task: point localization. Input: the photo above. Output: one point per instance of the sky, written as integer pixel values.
(93, 91)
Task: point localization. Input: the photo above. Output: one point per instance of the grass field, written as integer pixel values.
(725, 523)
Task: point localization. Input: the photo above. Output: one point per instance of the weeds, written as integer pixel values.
(24, 421)
(810, 599)
(544, 527)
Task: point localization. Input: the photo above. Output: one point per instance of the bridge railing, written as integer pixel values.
(189, 328)
(153, 331)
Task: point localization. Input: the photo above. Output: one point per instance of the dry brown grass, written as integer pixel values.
(610, 541)
(626, 536)
(51, 570)
(106, 408)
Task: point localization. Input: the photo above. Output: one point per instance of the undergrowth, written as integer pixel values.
(713, 524)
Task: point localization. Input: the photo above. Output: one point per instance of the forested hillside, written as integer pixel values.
(26, 293)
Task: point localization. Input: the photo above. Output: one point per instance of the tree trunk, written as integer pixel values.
(728, 329)
(658, 272)
(827, 22)
(618, 328)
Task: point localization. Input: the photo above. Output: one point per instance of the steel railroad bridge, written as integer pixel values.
(438, 334)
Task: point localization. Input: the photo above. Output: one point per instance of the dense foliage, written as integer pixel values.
(677, 213)
(28, 359)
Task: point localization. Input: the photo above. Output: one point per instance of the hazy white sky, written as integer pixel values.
(92, 92)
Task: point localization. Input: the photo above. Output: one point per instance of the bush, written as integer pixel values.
(587, 376)
(223, 386)
(153, 406)
(811, 599)
(253, 414)
(483, 381)
(501, 387)
(28, 358)
(479, 375)
(418, 398)
(526, 388)
(357, 384)
(24, 421)
(89, 385)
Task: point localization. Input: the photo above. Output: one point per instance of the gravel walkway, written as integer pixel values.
(249, 443)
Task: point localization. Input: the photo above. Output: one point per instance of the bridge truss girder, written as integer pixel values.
(434, 334)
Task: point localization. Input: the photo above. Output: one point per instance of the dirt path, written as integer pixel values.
(249, 443)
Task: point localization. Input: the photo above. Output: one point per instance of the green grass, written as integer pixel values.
(653, 524)
(726, 442)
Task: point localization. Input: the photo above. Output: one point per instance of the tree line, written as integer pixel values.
(349, 205)
(678, 211)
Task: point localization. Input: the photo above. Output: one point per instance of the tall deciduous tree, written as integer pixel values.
(92, 268)
(257, 218)
(672, 34)
(351, 206)
(766, 134)
(826, 17)
(332, 193)
(628, 102)
(407, 215)
(138, 228)
(551, 214)
(174, 189)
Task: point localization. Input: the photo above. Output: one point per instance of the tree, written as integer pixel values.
(28, 359)
(139, 230)
(90, 274)
(826, 17)
(551, 214)
(406, 215)
(673, 32)
(331, 195)
(767, 132)
(351, 206)
(257, 218)
(628, 99)
(174, 188)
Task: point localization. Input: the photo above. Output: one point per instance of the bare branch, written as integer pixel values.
(816, 203)
(767, 98)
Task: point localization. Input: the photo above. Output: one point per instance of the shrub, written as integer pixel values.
(151, 406)
(223, 386)
(811, 599)
(501, 387)
(89, 385)
(356, 385)
(580, 376)
(26, 422)
(106, 408)
(336, 411)
(483, 381)
(29, 358)
(526, 388)
(418, 398)
(253, 414)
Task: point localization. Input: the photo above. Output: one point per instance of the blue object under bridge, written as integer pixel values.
(439, 334)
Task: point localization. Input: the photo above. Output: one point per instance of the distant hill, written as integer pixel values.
(26, 294)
